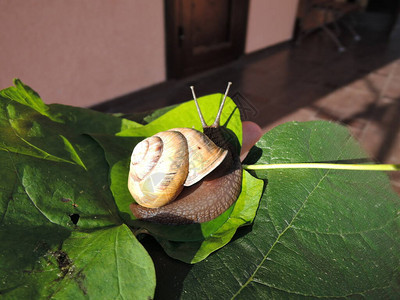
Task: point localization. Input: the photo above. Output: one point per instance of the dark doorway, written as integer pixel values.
(202, 34)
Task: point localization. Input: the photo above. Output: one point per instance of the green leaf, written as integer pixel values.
(74, 155)
(27, 132)
(110, 264)
(104, 264)
(27, 265)
(54, 181)
(26, 96)
(55, 187)
(158, 113)
(59, 189)
(146, 117)
(62, 171)
(317, 233)
(84, 120)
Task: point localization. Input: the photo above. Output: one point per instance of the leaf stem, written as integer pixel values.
(363, 167)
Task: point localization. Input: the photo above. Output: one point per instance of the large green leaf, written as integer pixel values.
(61, 176)
(84, 120)
(317, 233)
(104, 264)
(25, 131)
(110, 264)
(55, 187)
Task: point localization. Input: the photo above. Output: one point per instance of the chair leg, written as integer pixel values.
(350, 28)
(336, 25)
(333, 37)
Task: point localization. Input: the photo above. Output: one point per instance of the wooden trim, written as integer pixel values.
(172, 11)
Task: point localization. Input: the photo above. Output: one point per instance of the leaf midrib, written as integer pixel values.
(117, 266)
(327, 297)
(47, 156)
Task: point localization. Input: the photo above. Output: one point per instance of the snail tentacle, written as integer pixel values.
(218, 117)
(203, 122)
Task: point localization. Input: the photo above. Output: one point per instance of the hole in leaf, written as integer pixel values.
(74, 218)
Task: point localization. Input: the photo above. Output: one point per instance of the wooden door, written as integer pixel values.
(202, 34)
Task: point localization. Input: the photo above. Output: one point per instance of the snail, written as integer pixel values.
(184, 176)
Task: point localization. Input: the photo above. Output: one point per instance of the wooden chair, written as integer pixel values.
(324, 13)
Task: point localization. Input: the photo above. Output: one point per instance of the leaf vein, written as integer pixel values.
(117, 265)
(200, 282)
(232, 273)
(319, 296)
(26, 192)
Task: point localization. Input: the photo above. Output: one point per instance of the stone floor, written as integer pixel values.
(359, 88)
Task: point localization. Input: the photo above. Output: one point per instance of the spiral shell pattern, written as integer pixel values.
(159, 166)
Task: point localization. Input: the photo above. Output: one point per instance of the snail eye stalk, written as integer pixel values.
(203, 123)
(218, 117)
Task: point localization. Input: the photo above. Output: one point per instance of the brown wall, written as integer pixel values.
(83, 52)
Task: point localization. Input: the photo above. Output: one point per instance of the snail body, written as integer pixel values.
(187, 176)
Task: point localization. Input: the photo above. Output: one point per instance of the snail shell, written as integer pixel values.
(212, 181)
(163, 163)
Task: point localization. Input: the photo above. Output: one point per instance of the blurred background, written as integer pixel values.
(288, 60)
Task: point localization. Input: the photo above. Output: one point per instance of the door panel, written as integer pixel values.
(209, 23)
(202, 34)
